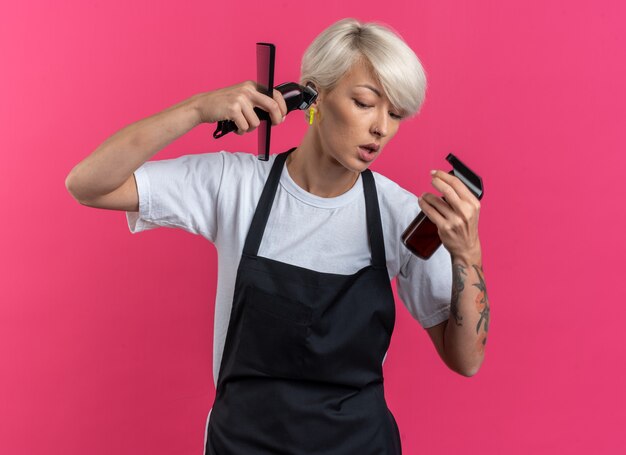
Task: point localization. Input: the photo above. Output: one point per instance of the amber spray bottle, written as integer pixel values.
(421, 237)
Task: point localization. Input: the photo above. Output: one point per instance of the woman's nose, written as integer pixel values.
(380, 126)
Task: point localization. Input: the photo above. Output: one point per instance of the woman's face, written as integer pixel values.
(355, 113)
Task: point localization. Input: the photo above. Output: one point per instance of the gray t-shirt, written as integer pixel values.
(215, 194)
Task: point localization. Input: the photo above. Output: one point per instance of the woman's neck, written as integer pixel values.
(319, 174)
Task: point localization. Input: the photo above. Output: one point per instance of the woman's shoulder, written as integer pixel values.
(243, 165)
(243, 175)
(244, 160)
(247, 160)
(398, 206)
(391, 192)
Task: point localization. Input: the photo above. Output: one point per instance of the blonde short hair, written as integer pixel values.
(348, 41)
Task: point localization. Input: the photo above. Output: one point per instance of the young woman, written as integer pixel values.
(307, 243)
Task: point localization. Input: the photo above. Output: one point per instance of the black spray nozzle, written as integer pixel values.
(296, 97)
(466, 175)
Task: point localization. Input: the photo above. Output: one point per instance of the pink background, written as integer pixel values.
(106, 338)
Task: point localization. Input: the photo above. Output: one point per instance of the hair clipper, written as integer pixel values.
(296, 97)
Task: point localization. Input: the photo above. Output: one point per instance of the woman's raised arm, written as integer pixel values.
(105, 179)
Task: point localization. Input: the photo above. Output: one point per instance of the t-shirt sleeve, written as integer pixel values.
(179, 193)
(425, 287)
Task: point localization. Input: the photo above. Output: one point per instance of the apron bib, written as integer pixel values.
(301, 372)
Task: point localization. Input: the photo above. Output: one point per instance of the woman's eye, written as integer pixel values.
(361, 105)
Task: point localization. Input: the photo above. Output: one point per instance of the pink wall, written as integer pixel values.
(106, 338)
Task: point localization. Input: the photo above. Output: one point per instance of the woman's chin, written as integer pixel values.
(361, 165)
(352, 162)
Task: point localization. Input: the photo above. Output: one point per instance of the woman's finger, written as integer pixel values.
(282, 104)
(448, 192)
(251, 118)
(457, 186)
(269, 105)
(430, 211)
(439, 204)
(241, 122)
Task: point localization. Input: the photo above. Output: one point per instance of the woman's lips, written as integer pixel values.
(366, 154)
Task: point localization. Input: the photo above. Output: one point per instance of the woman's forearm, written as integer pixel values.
(114, 161)
(466, 331)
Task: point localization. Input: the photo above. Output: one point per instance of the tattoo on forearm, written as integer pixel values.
(458, 284)
(482, 305)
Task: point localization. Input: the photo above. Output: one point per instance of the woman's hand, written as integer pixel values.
(237, 103)
(456, 217)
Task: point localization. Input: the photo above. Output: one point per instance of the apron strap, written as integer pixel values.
(264, 206)
(262, 213)
(374, 224)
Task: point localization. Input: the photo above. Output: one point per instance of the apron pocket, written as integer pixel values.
(274, 332)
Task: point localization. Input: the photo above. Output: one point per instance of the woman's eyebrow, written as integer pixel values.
(371, 88)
